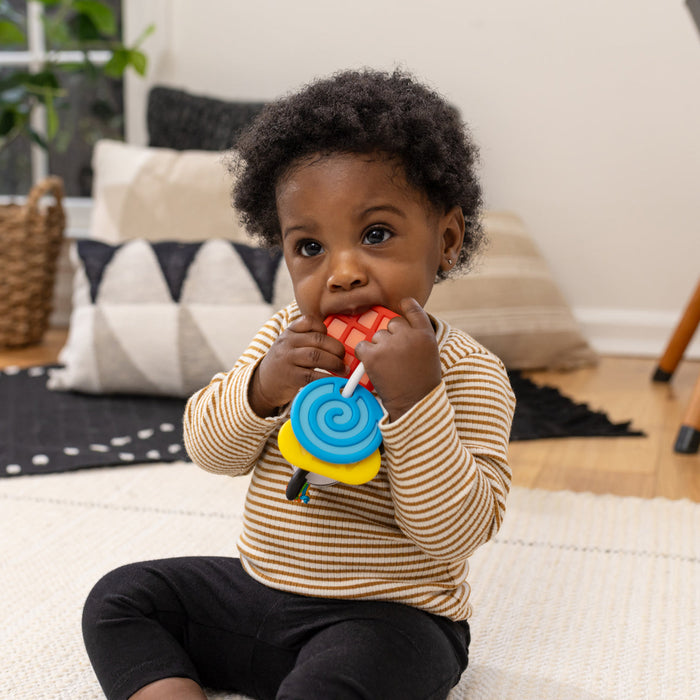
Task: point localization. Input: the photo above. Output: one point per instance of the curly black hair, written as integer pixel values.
(360, 112)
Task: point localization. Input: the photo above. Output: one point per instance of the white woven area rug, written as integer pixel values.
(579, 597)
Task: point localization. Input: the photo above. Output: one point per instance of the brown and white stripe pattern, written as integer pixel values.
(405, 536)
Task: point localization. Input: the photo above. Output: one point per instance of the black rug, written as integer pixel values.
(543, 412)
(43, 431)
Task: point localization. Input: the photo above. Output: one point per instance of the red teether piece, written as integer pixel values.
(350, 330)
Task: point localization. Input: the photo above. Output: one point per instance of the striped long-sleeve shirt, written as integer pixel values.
(406, 535)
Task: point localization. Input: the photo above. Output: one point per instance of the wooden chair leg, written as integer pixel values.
(680, 339)
(688, 440)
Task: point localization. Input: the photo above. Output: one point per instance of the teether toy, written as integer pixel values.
(353, 473)
(333, 426)
(333, 430)
(350, 330)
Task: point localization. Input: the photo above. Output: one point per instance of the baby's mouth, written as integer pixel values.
(358, 309)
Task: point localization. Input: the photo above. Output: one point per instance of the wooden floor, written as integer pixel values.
(627, 466)
(621, 387)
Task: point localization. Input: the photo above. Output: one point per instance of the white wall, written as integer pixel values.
(587, 113)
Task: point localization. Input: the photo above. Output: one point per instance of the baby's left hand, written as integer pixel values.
(403, 361)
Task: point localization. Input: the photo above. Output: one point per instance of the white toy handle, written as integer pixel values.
(354, 380)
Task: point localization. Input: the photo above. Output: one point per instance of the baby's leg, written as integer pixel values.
(381, 651)
(192, 618)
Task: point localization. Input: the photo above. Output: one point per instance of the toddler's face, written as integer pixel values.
(355, 234)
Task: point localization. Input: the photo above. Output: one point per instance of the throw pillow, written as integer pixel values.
(161, 194)
(511, 304)
(181, 120)
(162, 318)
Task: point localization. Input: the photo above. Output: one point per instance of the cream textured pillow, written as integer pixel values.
(161, 194)
(511, 304)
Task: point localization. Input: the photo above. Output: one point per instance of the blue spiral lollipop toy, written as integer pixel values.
(334, 425)
(333, 432)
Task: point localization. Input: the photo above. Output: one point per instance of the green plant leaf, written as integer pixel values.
(83, 29)
(144, 35)
(11, 34)
(115, 67)
(51, 119)
(121, 59)
(44, 79)
(138, 61)
(100, 15)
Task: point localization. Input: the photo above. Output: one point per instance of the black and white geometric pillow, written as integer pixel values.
(163, 318)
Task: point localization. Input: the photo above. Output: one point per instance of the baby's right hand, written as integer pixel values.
(292, 362)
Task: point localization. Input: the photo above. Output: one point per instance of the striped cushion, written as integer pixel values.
(511, 304)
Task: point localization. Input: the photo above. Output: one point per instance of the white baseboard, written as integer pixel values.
(632, 332)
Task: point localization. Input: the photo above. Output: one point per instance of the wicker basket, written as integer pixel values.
(30, 240)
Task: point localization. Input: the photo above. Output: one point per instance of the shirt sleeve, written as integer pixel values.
(447, 459)
(222, 432)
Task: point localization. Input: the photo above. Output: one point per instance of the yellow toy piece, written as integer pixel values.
(355, 473)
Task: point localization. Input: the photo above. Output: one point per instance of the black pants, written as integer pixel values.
(204, 618)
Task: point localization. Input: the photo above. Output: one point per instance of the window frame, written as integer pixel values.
(33, 58)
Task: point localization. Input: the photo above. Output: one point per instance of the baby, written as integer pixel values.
(366, 181)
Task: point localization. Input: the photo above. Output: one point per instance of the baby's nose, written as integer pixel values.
(346, 272)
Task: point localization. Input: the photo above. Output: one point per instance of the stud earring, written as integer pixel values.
(449, 260)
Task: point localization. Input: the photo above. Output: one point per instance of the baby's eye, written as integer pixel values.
(377, 235)
(309, 248)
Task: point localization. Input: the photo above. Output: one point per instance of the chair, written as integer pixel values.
(688, 439)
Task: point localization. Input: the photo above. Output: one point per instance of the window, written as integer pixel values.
(89, 109)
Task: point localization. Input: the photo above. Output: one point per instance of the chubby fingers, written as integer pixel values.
(307, 324)
(407, 329)
(413, 312)
(293, 361)
(412, 317)
(402, 361)
(312, 347)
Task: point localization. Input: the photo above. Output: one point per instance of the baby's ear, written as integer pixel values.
(451, 227)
